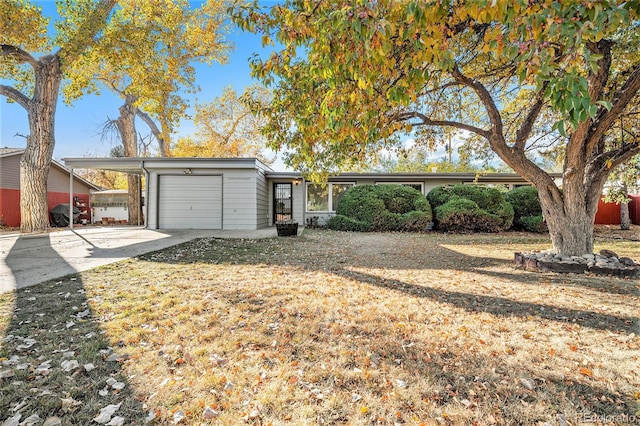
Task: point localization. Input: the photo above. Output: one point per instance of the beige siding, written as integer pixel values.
(10, 172)
(262, 199)
(238, 196)
(152, 200)
(58, 180)
(239, 206)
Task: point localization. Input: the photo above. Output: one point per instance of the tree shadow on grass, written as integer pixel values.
(459, 371)
(54, 356)
(500, 306)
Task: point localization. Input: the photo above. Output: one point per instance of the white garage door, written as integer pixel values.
(190, 202)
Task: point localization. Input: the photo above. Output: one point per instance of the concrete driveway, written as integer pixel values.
(26, 260)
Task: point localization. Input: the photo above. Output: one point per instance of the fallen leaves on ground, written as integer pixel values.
(327, 328)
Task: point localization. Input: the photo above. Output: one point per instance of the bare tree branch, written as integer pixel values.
(525, 129)
(426, 121)
(14, 95)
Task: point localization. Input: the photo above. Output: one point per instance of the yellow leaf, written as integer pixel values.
(586, 372)
(364, 410)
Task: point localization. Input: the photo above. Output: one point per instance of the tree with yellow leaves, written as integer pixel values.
(37, 77)
(226, 127)
(147, 59)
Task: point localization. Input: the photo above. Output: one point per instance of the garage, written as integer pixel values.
(190, 202)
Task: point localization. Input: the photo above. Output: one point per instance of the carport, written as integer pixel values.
(124, 165)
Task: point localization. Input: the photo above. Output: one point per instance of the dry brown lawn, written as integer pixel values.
(327, 328)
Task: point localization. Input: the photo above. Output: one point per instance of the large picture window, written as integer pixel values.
(325, 198)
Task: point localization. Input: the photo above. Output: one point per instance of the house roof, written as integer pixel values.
(8, 152)
(136, 165)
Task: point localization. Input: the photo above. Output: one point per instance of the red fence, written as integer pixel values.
(10, 204)
(609, 213)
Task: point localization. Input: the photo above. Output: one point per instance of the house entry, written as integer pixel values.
(282, 202)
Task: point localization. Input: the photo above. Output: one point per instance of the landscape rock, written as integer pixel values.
(604, 263)
(609, 253)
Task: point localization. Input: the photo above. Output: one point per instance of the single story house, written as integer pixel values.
(244, 193)
(57, 187)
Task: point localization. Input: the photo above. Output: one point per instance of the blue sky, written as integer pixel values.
(77, 126)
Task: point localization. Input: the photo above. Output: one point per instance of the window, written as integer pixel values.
(325, 198)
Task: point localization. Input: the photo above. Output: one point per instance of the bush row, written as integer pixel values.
(382, 208)
(456, 208)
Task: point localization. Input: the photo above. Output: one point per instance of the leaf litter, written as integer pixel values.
(329, 328)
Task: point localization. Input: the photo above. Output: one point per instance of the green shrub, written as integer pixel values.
(464, 215)
(533, 224)
(381, 208)
(422, 205)
(526, 204)
(360, 203)
(504, 211)
(492, 211)
(344, 223)
(417, 221)
(388, 221)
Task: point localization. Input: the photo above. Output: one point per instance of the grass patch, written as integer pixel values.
(329, 328)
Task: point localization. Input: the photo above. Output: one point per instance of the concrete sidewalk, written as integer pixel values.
(26, 260)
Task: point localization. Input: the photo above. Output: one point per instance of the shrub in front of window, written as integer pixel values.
(527, 210)
(492, 211)
(360, 203)
(382, 208)
(344, 223)
(462, 215)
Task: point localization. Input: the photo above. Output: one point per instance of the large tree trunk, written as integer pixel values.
(35, 162)
(127, 128)
(570, 214)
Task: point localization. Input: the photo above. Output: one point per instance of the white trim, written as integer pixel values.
(329, 196)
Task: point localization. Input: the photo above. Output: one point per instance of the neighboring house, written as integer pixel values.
(244, 193)
(110, 205)
(57, 187)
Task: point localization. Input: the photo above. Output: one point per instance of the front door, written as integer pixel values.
(282, 202)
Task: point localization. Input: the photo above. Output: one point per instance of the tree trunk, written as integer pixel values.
(571, 235)
(127, 128)
(570, 215)
(625, 219)
(35, 162)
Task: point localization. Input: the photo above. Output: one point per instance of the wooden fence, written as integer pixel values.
(609, 213)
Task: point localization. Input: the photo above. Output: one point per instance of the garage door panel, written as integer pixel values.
(190, 202)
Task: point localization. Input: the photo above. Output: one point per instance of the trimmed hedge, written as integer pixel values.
(527, 209)
(533, 224)
(344, 223)
(382, 208)
(470, 208)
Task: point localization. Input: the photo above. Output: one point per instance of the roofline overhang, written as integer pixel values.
(136, 165)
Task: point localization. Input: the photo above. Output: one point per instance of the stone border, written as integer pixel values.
(604, 263)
